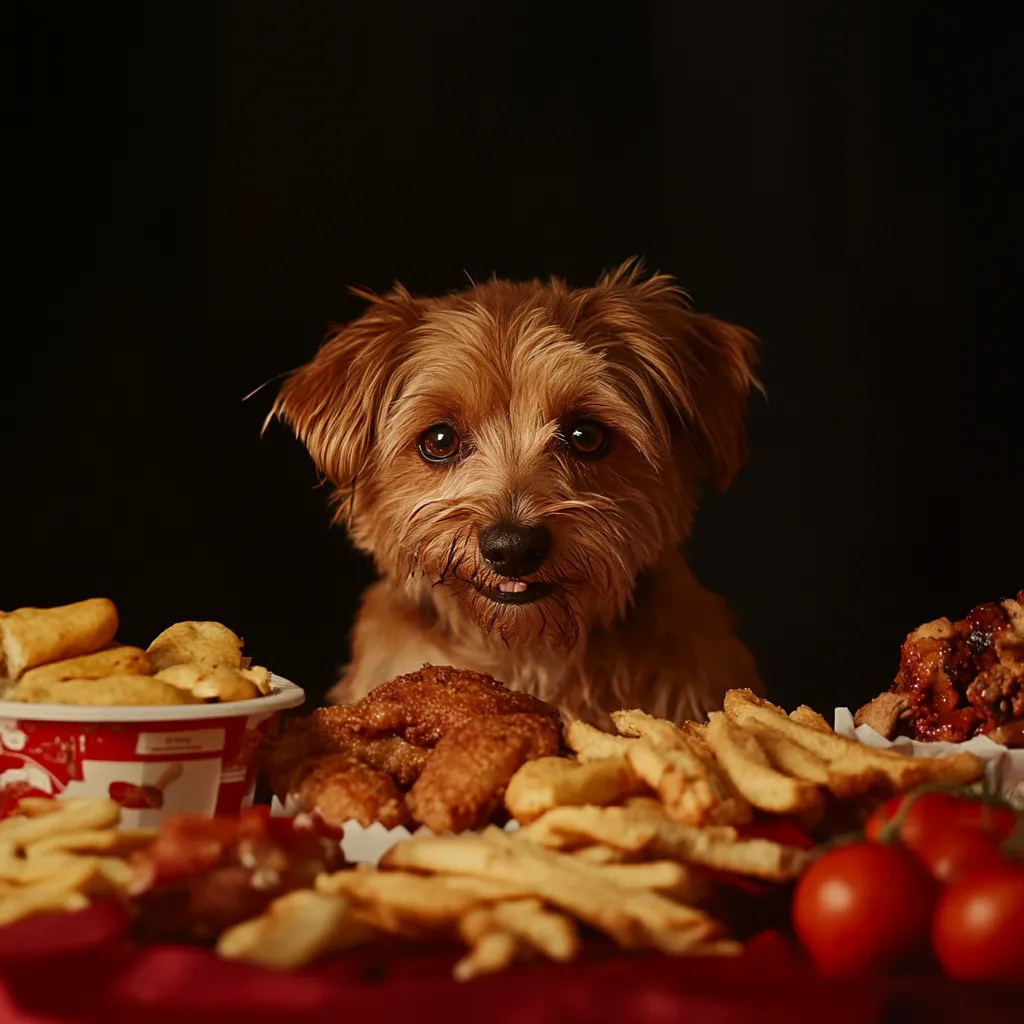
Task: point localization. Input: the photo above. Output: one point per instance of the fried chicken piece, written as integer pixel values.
(341, 788)
(883, 713)
(423, 706)
(464, 780)
(967, 677)
(355, 760)
(307, 739)
(935, 668)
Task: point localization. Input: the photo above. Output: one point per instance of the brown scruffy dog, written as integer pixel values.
(522, 463)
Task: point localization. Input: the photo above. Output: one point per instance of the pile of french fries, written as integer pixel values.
(68, 655)
(618, 838)
(56, 855)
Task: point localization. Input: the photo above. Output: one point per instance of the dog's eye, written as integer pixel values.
(588, 438)
(439, 443)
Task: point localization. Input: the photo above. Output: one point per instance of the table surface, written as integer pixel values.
(79, 968)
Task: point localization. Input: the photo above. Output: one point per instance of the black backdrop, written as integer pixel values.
(199, 182)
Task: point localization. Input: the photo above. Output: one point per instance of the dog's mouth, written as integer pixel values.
(515, 592)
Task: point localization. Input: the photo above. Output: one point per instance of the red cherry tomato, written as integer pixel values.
(863, 907)
(951, 855)
(932, 814)
(979, 921)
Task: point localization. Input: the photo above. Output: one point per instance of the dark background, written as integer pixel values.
(197, 184)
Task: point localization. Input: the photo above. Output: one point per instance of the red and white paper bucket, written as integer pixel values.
(154, 761)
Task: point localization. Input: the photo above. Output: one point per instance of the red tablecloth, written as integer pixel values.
(79, 968)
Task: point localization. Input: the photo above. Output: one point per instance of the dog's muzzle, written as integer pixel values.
(514, 551)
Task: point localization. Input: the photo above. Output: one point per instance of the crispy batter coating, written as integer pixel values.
(465, 779)
(422, 706)
(341, 788)
(463, 732)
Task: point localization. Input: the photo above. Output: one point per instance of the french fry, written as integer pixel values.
(751, 772)
(680, 779)
(297, 929)
(755, 858)
(26, 871)
(75, 813)
(630, 829)
(494, 951)
(853, 767)
(658, 732)
(714, 847)
(791, 758)
(634, 918)
(804, 715)
(591, 744)
(425, 901)
(669, 877)
(556, 781)
(32, 900)
(552, 934)
(78, 841)
(600, 854)
(36, 806)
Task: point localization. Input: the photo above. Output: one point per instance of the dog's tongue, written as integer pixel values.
(511, 587)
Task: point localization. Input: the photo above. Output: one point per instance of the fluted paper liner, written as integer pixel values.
(1004, 768)
(366, 845)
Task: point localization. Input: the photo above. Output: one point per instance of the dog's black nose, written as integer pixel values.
(515, 550)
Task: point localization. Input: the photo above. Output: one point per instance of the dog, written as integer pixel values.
(522, 461)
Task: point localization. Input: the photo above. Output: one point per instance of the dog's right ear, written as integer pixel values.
(335, 402)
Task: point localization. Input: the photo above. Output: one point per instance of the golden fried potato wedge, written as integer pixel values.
(751, 772)
(34, 636)
(112, 691)
(117, 660)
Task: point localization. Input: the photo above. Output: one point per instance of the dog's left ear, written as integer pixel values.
(335, 402)
(702, 367)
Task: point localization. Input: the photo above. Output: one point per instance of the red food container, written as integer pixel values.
(154, 761)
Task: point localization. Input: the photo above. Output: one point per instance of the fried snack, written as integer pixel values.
(117, 660)
(791, 758)
(343, 788)
(206, 643)
(425, 902)
(493, 951)
(211, 684)
(854, 768)
(48, 856)
(658, 732)
(558, 781)
(591, 744)
(804, 715)
(111, 691)
(633, 918)
(423, 706)
(679, 779)
(751, 772)
(638, 831)
(464, 780)
(34, 636)
(295, 930)
(259, 677)
(551, 934)
(456, 738)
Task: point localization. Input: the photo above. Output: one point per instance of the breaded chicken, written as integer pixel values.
(464, 781)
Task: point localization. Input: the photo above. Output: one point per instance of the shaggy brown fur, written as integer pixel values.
(509, 369)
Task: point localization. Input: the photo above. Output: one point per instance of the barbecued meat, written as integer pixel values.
(964, 678)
